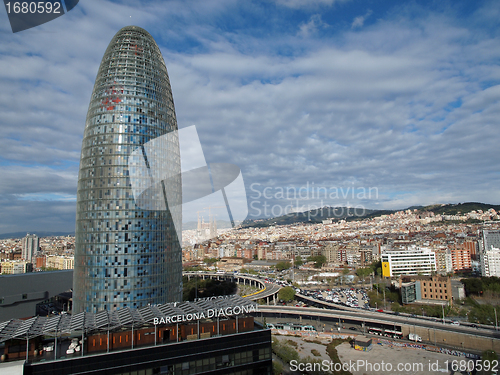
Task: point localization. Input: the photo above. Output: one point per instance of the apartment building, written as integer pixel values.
(411, 261)
(490, 262)
(461, 259)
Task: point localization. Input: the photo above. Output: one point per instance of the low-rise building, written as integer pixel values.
(60, 262)
(426, 289)
(15, 267)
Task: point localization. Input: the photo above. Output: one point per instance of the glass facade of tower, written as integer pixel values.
(126, 255)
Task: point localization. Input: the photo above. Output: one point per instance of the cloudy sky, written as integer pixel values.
(378, 103)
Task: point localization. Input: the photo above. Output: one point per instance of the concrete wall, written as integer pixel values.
(457, 339)
(19, 294)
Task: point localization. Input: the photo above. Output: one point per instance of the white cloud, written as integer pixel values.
(409, 105)
(360, 20)
(311, 27)
(374, 114)
(297, 4)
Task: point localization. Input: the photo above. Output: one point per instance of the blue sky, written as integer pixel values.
(402, 97)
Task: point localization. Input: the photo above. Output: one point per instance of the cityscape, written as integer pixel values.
(333, 263)
(452, 244)
(320, 199)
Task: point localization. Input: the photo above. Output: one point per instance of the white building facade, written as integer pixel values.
(412, 261)
(31, 244)
(490, 262)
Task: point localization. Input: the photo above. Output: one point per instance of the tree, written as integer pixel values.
(318, 260)
(277, 367)
(286, 294)
(345, 272)
(363, 272)
(191, 268)
(284, 351)
(377, 267)
(210, 261)
(488, 359)
(280, 266)
(298, 261)
(250, 271)
(206, 288)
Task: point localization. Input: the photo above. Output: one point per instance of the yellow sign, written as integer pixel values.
(386, 270)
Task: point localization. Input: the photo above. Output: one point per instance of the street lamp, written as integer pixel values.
(385, 308)
(496, 320)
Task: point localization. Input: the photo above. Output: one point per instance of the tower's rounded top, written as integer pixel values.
(133, 28)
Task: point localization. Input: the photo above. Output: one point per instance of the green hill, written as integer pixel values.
(349, 214)
(459, 208)
(311, 217)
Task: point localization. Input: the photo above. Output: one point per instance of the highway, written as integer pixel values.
(331, 312)
(376, 318)
(268, 289)
(426, 322)
(271, 289)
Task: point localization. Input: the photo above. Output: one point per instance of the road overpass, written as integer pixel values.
(268, 292)
(432, 332)
(436, 333)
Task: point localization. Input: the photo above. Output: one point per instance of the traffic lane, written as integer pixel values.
(381, 318)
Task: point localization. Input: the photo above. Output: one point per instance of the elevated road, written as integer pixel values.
(376, 318)
(418, 320)
(269, 291)
(436, 333)
(431, 330)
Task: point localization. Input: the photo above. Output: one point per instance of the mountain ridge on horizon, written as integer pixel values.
(314, 218)
(439, 208)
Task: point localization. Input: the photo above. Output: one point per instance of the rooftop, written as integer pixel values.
(127, 317)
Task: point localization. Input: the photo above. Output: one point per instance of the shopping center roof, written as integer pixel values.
(111, 320)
